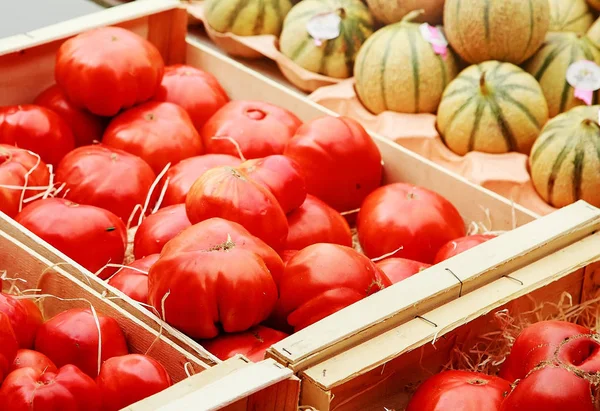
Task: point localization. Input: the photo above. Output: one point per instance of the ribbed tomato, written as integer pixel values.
(32, 359)
(157, 229)
(398, 269)
(460, 245)
(25, 318)
(133, 282)
(108, 69)
(8, 346)
(252, 343)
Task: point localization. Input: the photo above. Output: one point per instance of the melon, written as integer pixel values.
(565, 159)
(549, 66)
(492, 107)
(570, 15)
(246, 17)
(398, 70)
(595, 4)
(334, 57)
(392, 11)
(504, 30)
(593, 33)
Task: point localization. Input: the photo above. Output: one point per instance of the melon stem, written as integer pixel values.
(589, 122)
(482, 84)
(341, 12)
(412, 15)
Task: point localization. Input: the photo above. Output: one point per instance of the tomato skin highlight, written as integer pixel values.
(132, 282)
(460, 245)
(32, 359)
(398, 269)
(8, 346)
(157, 229)
(252, 344)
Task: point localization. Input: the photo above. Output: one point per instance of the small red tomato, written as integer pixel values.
(86, 126)
(130, 378)
(108, 69)
(339, 160)
(159, 133)
(32, 359)
(197, 91)
(8, 346)
(133, 282)
(460, 391)
(230, 194)
(27, 389)
(460, 245)
(414, 218)
(258, 129)
(91, 236)
(25, 318)
(281, 176)
(37, 129)
(19, 169)
(157, 229)
(105, 177)
(252, 343)
(71, 337)
(398, 269)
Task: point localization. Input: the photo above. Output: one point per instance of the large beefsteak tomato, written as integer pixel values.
(132, 281)
(8, 345)
(252, 343)
(398, 269)
(25, 318)
(157, 229)
(460, 245)
(32, 359)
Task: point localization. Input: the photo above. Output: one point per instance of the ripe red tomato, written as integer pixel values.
(32, 359)
(133, 282)
(27, 389)
(159, 133)
(71, 337)
(15, 163)
(25, 318)
(108, 69)
(86, 127)
(37, 129)
(315, 222)
(340, 162)
(76, 230)
(322, 279)
(197, 91)
(281, 176)
(287, 255)
(130, 378)
(157, 229)
(186, 172)
(398, 269)
(230, 194)
(402, 215)
(252, 344)
(260, 129)
(8, 346)
(460, 245)
(460, 391)
(105, 177)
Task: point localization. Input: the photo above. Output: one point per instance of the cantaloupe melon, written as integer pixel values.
(549, 67)
(595, 4)
(392, 11)
(570, 15)
(593, 33)
(492, 107)
(398, 70)
(247, 17)
(565, 159)
(334, 57)
(504, 30)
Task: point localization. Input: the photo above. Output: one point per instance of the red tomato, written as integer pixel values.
(159, 133)
(91, 236)
(324, 278)
(32, 359)
(315, 222)
(37, 129)
(252, 344)
(25, 318)
(27, 389)
(402, 215)
(340, 162)
(281, 176)
(108, 69)
(133, 282)
(230, 194)
(197, 91)
(105, 177)
(460, 245)
(86, 126)
(71, 337)
(8, 345)
(260, 129)
(398, 269)
(186, 172)
(460, 391)
(287, 255)
(157, 229)
(128, 379)
(15, 164)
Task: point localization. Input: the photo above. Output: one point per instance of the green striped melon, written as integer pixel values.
(392, 11)
(397, 70)
(492, 107)
(504, 30)
(247, 17)
(333, 58)
(595, 4)
(549, 66)
(565, 160)
(570, 15)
